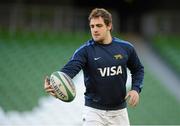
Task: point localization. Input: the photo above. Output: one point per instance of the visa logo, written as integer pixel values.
(110, 71)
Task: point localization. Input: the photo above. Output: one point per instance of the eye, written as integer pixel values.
(99, 25)
(91, 26)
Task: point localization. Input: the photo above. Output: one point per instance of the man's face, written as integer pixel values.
(99, 30)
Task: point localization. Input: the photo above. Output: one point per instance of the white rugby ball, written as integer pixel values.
(63, 86)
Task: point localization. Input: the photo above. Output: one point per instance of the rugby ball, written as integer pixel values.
(63, 86)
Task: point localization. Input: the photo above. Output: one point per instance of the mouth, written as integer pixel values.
(96, 35)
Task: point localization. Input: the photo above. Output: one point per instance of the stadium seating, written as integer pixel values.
(27, 57)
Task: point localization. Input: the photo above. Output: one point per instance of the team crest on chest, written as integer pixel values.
(118, 56)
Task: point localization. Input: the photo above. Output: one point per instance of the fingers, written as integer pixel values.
(127, 96)
(133, 101)
(53, 94)
(47, 80)
(48, 88)
(133, 98)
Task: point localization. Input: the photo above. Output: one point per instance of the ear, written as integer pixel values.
(109, 27)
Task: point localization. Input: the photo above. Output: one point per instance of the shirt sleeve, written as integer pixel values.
(137, 70)
(76, 63)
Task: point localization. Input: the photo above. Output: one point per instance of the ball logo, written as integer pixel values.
(63, 86)
(110, 71)
(57, 87)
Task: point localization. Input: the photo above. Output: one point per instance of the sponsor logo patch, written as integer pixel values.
(110, 71)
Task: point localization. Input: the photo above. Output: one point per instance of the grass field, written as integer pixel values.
(157, 106)
(27, 57)
(168, 47)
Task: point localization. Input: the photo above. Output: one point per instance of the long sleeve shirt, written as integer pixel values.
(105, 72)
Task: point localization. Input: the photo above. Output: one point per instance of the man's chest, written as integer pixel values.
(104, 56)
(107, 61)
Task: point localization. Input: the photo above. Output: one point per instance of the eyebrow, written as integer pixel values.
(98, 25)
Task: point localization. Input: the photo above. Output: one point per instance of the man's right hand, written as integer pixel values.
(48, 88)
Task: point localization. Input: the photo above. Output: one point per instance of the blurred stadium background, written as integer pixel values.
(38, 37)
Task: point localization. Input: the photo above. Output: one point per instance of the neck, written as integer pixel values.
(108, 39)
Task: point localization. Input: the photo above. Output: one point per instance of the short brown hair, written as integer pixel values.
(101, 12)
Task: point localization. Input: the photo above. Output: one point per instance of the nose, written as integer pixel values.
(95, 29)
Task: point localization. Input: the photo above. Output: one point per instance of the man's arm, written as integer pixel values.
(76, 63)
(137, 73)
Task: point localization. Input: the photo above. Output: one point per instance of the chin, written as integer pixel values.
(98, 40)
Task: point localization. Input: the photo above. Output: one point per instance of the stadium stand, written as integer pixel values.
(25, 60)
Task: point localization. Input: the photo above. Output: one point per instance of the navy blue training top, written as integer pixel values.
(105, 72)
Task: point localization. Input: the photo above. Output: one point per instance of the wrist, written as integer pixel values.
(136, 89)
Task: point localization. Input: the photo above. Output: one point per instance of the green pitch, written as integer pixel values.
(169, 48)
(25, 59)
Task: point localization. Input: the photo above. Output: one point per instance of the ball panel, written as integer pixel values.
(63, 86)
(70, 83)
(60, 90)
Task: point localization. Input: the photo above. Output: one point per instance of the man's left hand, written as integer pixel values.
(133, 98)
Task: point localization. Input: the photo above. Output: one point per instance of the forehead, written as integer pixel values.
(97, 20)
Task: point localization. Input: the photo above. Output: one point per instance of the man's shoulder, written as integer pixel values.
(122, 42)
(85, 45)
(90, 42)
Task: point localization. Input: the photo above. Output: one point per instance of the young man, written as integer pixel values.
(104, 60)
